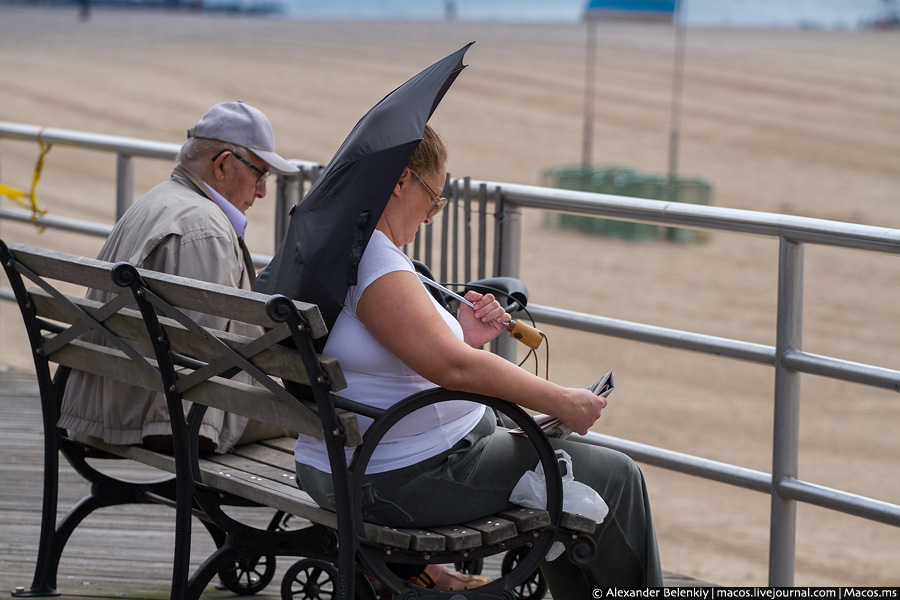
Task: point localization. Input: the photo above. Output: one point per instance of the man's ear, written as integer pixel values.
(219, 165)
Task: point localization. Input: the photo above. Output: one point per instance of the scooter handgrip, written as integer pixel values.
(526, 334)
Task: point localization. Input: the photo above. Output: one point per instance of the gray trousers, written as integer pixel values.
(475, 478)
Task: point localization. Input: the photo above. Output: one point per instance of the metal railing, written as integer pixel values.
(496, 246)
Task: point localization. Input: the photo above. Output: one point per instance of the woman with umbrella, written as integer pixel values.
(448, 462)
(393, 339)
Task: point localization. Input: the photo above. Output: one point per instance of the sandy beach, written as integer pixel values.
(798, 122)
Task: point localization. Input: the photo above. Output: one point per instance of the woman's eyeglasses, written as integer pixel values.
(437, 202)
(263, 175)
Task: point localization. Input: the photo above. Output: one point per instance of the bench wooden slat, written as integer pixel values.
(280, 496)
(425, 541)
(189, 294)
(459, 538)
(157, 460)
(273, 472)
(105, 362)
(494, 529)
(127, 323)
(266, 455)
(277, 360)
(282, 443)
(387, 536)
(577, 522)
(526, 519)
(79, 270)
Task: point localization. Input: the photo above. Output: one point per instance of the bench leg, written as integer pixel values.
(219, 560)
(224, 532)
(50, 546)
(54, 539)
(183, 515)
(49, 556)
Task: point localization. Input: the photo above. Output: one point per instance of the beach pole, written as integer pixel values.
(677, 78)
(590, 69)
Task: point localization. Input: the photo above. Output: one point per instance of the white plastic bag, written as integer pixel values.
(531, 492)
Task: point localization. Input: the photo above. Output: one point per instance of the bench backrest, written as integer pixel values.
(111, 338)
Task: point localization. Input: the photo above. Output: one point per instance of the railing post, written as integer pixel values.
(510, 218)
(287, 193)
(124, 183)
(785, 442)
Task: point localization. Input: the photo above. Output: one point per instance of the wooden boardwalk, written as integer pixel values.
(117, 552)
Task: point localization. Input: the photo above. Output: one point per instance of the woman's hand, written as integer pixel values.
(581, 410)
(483, 323)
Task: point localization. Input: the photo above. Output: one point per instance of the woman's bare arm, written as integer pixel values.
(398, 312)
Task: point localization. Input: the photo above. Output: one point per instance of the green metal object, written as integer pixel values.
(621, 181)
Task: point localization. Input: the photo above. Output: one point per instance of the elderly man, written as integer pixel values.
(191, 225)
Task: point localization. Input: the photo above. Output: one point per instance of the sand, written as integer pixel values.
(800, 122)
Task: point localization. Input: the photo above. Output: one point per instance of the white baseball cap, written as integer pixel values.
(241, 124)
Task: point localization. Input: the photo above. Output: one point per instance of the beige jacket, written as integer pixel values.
(178, 228)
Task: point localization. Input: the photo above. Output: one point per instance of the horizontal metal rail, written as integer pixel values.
(102, 142)
(698, 216)
(835, 368)
(54, 222)
(88, 228)
(682, 463)
(795, 360)
(92, 141)
(853, 504)
(662, 336)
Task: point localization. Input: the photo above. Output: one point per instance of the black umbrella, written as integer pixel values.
(330, 227)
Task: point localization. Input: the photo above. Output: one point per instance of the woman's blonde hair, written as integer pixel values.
(430, 156)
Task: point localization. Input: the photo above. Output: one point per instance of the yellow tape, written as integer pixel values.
(16, 195)
(12, 193)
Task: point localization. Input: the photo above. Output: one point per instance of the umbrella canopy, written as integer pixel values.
(330, 227)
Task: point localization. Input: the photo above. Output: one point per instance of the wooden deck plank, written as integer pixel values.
(94, 565)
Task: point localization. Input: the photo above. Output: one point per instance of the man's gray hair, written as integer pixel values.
(195, 148)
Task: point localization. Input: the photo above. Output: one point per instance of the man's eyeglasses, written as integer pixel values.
(263, 175)
(437, 202)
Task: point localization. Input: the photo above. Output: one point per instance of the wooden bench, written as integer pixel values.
(293, 388)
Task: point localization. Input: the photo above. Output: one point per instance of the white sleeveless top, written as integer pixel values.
(378, 378)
